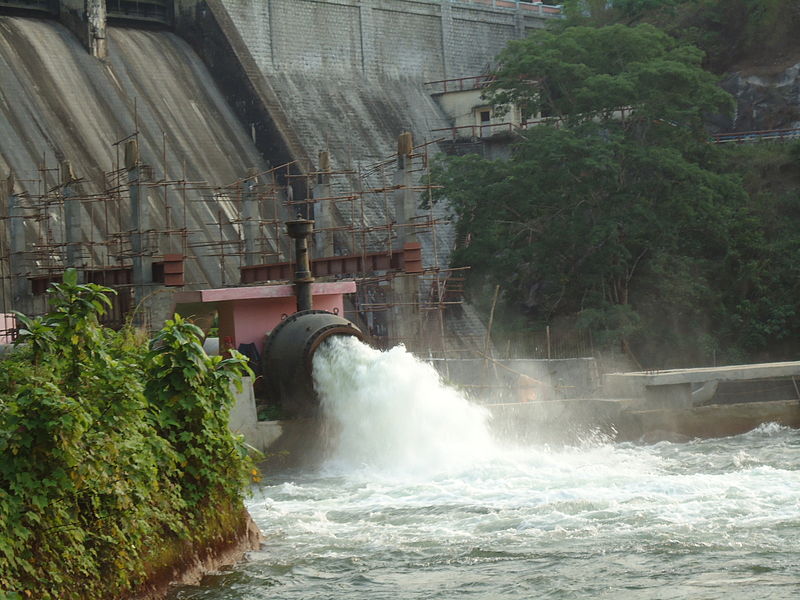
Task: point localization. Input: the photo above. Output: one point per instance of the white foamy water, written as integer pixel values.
(390, 411)
(416, 500)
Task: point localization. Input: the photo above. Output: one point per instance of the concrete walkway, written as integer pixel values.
(677, 388)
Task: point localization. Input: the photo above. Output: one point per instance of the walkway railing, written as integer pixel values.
(479, 131)
(539, 8)
(461, 84)
(756, 136)
(48, 6)
(490, 129)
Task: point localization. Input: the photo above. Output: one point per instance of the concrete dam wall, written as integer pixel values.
(349, 75)
(131, 146)
(58, 103)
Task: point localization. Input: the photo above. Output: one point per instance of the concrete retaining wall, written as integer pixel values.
(244, 419)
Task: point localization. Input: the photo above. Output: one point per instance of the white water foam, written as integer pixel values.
(417, 501)
(392, 412)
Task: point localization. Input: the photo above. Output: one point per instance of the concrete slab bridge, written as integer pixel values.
(685, 388)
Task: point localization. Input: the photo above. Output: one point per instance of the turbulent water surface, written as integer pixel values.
(417, 500)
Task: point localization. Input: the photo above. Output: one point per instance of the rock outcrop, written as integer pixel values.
(764, 99)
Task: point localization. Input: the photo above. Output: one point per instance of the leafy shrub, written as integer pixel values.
(112, 453)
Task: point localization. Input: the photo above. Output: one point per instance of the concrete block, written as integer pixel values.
(244, 419)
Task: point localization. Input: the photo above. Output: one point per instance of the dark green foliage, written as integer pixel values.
(579, 218)
(93, 485)
(739, 32)
(587, 74)
(636, 229)
(762, 299)
(728, 31)
(190, 401)
(604, 12)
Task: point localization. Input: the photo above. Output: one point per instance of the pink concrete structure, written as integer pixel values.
(7, 323)
(247, 314)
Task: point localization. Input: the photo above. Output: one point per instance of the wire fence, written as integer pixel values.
(549, 343)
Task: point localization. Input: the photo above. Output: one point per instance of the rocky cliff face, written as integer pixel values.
(765, 99)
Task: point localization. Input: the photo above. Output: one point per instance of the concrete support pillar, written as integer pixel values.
(5, 272)
(140, 225)
(87, 20)
(405, 310)
(20, 286)
(447, 39)
(323, 209)
(6, 187)
(405, 313)
(72, 218)
(519, 23)
(369, 63)
(96, 22)
(251, 217)
(405, 199)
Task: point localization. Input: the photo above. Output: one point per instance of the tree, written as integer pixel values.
(728, 31)
(604, 12)
(587, 74)
(620, 225)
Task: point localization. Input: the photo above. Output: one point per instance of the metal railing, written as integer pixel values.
(548, 344)
(539, 8)
(158, 11)
(48, 6)
(756, 136)
(478, 131)
(490, 129)
(461, 84)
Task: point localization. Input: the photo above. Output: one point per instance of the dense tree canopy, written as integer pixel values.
(634, 227)
(728, 31)
(588, 74)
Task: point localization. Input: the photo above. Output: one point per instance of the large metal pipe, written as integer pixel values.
(300, 230)
(288, 353)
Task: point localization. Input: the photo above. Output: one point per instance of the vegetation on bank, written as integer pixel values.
(636, 229)
(116, 453)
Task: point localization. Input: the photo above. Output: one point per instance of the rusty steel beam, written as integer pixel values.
(408, 260)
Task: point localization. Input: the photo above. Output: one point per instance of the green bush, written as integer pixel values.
(113, 453)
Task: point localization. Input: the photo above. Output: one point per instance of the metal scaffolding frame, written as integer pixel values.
(51, 222)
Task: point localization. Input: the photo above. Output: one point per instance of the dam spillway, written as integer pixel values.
(60, 104)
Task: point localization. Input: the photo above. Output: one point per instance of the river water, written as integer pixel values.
(416, 499)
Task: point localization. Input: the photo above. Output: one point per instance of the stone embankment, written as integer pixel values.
(196, 560)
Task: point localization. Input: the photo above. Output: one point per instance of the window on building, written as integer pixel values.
(485, 116)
